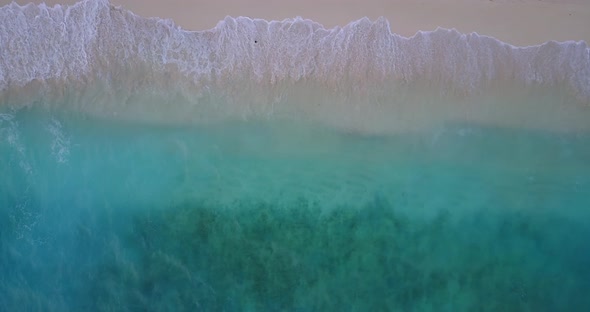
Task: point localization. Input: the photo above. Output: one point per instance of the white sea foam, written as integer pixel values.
(361, 74)
(60, 145)
(10, 133)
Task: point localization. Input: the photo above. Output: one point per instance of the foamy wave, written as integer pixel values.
(95, 41)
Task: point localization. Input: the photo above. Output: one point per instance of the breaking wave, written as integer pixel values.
(100, 59)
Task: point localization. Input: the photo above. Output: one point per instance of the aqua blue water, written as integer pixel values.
(255, 215)
(284, 166)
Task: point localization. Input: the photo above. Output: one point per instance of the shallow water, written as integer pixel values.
(265, 166)
(274, 215)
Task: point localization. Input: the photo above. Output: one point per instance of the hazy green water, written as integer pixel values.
(285, 216)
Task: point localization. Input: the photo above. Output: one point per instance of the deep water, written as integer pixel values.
(280, 215)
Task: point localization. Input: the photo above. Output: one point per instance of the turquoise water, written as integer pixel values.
(255, 215)
(283, 166)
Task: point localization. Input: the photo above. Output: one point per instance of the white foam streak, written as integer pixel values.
(60, 143)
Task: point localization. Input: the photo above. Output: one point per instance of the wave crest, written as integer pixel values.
(95, 41)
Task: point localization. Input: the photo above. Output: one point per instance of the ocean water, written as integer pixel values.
(282, 166)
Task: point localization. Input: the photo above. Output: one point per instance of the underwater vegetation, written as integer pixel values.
(254, 256)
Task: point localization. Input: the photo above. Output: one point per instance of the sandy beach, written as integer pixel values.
(202, 162)
(519, 22)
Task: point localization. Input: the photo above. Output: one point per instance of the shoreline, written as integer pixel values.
(520, 23)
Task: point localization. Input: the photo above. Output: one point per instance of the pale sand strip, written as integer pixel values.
(519, 22)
